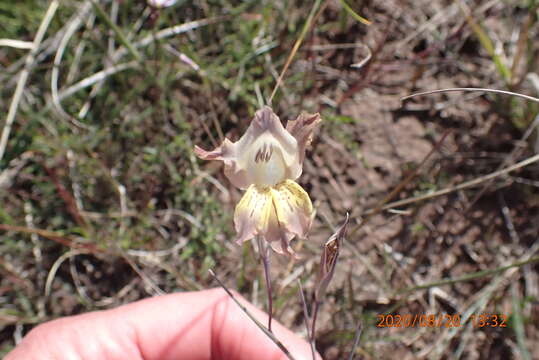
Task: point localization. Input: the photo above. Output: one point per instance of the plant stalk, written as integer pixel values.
(265, 257)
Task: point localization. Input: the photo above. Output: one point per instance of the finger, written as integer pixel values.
(195, 325)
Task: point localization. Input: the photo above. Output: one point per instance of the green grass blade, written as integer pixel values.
(117, 31)
(354, 14)
(487, 44)
(518, 324)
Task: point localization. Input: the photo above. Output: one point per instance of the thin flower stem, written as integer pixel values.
(257, 323)
(265, 256)
(307, 320)
(328, 261)
(357, 335)
(314, 314)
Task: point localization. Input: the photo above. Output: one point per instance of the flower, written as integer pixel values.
(265, 161)
(159, 4)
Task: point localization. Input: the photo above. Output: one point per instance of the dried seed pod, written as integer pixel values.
(328, 260)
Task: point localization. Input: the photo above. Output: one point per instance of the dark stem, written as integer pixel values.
(314, 314)
(357, 335)
(307, 320)
(265, 256)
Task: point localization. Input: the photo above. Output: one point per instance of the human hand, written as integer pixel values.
(189, 326)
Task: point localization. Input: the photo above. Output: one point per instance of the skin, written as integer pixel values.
(189, 326)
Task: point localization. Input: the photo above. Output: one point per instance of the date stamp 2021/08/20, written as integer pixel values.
(440, 320)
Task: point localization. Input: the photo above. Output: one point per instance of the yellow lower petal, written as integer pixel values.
(293, 207)
(277, 213)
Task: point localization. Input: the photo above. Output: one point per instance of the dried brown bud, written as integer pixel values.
(329, 257)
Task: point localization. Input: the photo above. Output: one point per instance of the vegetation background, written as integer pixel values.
(103, 202)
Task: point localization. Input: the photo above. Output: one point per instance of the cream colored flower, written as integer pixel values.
(265, 161)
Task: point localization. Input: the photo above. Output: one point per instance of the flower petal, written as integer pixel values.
(302, 130)
(277, 213)
(252, 213)
(242, 158)
(267, 127)
(227, 153)
(293, 207)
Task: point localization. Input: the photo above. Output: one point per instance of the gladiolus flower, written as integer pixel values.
(265, 161)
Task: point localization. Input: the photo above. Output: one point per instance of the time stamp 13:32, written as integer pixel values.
(441, 320)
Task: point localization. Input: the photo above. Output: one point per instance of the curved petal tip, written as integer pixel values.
(302, 130)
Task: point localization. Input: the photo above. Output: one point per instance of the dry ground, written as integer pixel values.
(134, 213)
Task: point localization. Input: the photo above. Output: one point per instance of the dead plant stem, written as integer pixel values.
(471, 276)
(461, 186)
(297, 44)
(24, 76)
(494, 91)
(401, 185)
